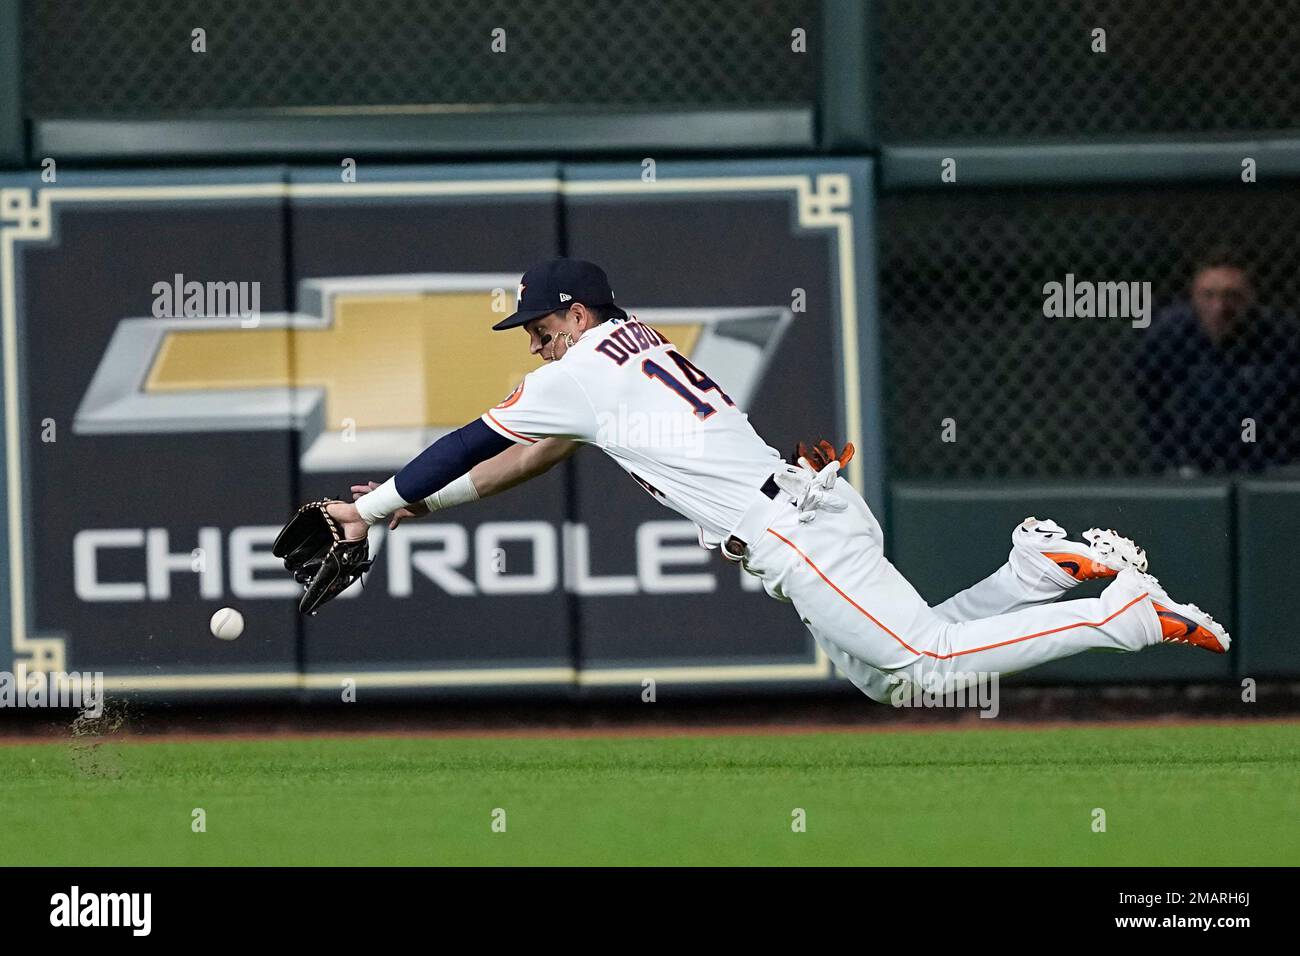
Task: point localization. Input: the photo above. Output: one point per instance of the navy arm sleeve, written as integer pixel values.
(448, 458)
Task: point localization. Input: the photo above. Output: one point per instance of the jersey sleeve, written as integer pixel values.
(548, 403)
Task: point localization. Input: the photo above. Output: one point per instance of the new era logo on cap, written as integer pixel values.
(539, 289)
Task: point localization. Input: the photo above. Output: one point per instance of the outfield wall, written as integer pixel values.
(199, 433)
(890, 187)
(152, 458)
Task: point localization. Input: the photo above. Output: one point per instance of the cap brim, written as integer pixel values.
(524, 316)
(520, 318)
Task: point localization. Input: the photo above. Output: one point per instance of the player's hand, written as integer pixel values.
(417, 510)
(354, 526)
(811, 483)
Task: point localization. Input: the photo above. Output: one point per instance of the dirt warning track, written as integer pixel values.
(638, 731)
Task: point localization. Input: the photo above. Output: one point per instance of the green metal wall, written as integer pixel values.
(948, 535)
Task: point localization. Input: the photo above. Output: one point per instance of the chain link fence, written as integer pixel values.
(117, 57)
(981, 383)
(1024, 69)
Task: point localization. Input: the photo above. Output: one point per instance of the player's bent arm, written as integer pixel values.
(516, 465)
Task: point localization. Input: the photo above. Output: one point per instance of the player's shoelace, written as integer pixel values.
(1109, 546)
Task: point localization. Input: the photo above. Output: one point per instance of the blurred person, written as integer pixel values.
(1214, 364)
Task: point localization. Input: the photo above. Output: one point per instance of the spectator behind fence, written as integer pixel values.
(1218, 377)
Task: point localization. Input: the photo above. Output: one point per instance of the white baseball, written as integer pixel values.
(227, 624)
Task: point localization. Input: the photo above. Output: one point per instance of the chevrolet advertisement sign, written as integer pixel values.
(192, 358)
(374, 370)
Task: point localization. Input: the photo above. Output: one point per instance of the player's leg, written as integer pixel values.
(872, 681)
(1133, 612)
(856, 602)
(1043, 565)
(1122, 618)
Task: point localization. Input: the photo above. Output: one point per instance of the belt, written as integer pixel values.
(734, 547)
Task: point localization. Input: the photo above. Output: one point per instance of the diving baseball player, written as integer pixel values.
(802, 529)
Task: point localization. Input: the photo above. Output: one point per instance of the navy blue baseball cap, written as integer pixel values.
(556, 284)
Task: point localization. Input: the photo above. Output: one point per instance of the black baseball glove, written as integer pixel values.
(321, 559)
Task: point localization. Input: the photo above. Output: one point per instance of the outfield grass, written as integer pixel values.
(1210, 795)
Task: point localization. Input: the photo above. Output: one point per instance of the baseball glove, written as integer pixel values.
(320, 558)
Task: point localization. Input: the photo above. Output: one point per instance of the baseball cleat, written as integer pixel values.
(1185, 623)
(1103, 555)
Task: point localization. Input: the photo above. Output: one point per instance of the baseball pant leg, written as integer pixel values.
(1026, 580)
(858, 606)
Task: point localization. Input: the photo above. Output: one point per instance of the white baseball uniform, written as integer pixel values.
(624, 388)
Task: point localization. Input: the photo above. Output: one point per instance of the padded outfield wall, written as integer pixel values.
(198, 433)
(919, 171)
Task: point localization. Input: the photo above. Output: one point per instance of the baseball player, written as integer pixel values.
(801, 528)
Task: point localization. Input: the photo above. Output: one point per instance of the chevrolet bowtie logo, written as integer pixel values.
(373, 369)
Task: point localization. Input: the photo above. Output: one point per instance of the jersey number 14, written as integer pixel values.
(697, 378)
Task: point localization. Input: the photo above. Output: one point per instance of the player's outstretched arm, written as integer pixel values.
(518, 464)
(431, 475)
(417, 510)
(513, 466)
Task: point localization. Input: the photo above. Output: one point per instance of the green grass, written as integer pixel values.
(1210, 795)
